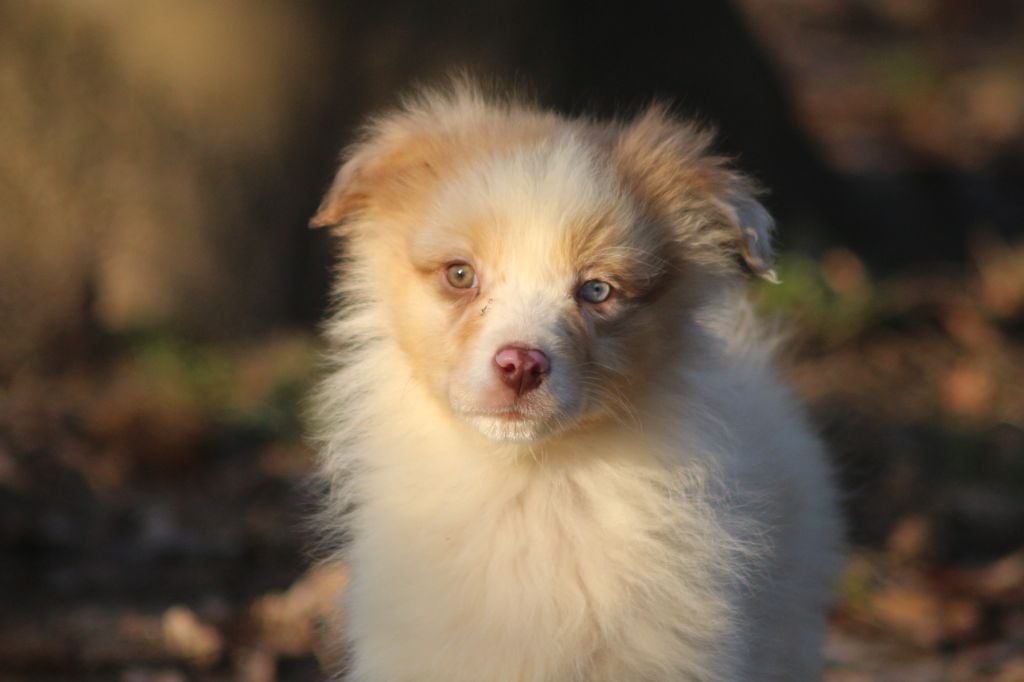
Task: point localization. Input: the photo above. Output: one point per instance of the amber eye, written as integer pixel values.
(461, 275)
(595, 291)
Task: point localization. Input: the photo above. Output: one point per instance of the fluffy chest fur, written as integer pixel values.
(546, 580)
(616, 555)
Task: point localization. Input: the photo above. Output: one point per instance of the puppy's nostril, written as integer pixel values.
(522, 369)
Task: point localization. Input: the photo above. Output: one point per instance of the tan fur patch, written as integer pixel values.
(712, 208)
(404, 156)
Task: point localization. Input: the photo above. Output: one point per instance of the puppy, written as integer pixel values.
(556, 446)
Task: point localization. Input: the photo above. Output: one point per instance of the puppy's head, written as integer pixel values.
(537, 271)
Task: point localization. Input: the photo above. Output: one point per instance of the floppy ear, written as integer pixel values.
(713, 209)
(395, 152)
(346, 195)
(755, 227)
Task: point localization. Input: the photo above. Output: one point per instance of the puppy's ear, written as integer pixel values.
(394, 153)
(347, 194)
(755, 226)
(712, 208)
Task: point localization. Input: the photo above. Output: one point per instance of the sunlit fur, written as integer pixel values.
(658, 508)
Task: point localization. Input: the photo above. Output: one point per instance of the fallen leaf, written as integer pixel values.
(186, 636)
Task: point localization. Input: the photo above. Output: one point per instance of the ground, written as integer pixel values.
(153, 501)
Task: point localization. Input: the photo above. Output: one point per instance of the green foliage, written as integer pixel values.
(906, 74)
(827, 305)
(171, 362)
(255, 389)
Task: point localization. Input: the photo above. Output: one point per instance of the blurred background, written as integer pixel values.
(159, 298)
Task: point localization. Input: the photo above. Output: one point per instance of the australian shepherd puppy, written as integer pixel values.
(556, 445)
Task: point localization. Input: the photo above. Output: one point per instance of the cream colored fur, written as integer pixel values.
(658, 510)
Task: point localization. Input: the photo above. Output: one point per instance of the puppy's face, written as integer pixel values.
(525, 266)
(536, 282)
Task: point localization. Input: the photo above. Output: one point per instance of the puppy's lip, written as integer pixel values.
(514, 416)
(511, 414)
(536, 406)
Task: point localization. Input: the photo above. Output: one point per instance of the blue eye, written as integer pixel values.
(595, 291)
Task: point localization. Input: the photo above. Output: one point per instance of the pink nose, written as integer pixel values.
(522, 369)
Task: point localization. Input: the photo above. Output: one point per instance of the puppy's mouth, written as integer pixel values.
(521, 421)
(513, 413)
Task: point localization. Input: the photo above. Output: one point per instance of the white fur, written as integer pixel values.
(691, 537)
